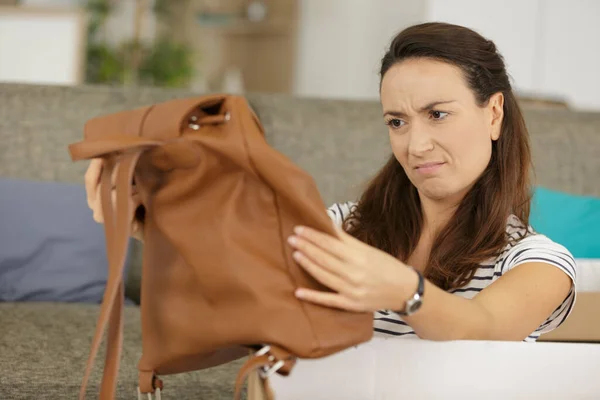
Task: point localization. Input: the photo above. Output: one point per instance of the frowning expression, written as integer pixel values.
(438, 132)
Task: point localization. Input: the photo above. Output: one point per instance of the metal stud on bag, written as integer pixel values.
(195, 124)
(157, 392)
(192, 123)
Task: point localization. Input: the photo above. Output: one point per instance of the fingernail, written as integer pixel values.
(298, 229)
(292, 240)
(299, 293)
(296, 255)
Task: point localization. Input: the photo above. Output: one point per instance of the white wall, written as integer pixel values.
(119, 25)
(341, 43)
(45, 50)
(570, 51)
(41, 48)
(510, 24)
(551, 47)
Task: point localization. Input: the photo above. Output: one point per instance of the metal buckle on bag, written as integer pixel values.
(195, 124)
(267, 371)
(156, 397)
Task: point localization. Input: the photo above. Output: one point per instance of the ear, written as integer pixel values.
(496, 112)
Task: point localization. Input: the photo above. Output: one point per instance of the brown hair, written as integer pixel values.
(388, 215)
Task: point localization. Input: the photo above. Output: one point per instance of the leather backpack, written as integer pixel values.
(218, 280)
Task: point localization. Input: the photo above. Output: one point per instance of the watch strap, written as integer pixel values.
(417, 296)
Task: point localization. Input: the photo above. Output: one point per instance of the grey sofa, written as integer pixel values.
(44, 346)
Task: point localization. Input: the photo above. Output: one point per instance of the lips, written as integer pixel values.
(429, 165)
(429, 168)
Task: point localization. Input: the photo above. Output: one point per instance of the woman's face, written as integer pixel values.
(438, 133)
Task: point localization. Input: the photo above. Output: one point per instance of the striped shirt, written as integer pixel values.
(521, 249)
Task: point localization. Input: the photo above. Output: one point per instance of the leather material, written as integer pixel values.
(218, 277)
(117, 230)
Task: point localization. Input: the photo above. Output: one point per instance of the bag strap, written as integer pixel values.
(260, 386)
(117, 230)
(108, 145)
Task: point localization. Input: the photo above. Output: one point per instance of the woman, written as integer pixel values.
(439, 245)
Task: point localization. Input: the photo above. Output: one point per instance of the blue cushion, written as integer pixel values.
(571, 220)
(51, 249)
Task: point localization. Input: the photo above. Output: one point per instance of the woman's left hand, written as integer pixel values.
(363, 278)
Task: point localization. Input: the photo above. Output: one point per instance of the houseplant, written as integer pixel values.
(163, 62)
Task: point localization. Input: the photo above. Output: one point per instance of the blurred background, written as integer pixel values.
(316, 48)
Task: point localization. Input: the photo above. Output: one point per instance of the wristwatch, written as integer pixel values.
(416, 301)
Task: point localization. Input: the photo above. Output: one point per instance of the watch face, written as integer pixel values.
(413, 306)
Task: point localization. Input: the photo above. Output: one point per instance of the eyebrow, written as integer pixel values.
(427, 107)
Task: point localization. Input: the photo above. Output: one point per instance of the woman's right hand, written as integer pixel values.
(92, 188)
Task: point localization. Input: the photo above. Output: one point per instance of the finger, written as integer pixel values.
(345, 237)
(332, 300)
(320, 256)
(332, 245)
(135, 197)
(135, 226)
(321, 274)
(97, 206)
(92, 179)
(137, 231)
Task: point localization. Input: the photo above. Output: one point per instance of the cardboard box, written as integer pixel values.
(583, 325)
(386, 369)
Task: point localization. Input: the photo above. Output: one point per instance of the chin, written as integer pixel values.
(438, 192)
(436, 195)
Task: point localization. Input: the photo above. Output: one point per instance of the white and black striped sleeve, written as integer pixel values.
(539, 248)
(339, 211)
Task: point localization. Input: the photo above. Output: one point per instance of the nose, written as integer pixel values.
(420, 141)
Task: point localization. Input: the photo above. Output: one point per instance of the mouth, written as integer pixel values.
(429, 167)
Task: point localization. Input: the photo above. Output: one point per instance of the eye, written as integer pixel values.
(438, 115)
(395, 123)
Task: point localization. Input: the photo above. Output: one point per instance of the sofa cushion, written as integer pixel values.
(571, 220)
(45, 347)
(50, 247)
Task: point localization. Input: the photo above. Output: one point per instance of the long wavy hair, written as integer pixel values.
(388, 215)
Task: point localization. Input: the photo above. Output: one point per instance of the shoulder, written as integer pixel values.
(531, 246)
(340, 211)
(526, 245)
(516, 229)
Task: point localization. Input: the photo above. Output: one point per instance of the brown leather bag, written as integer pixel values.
(218, 278)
